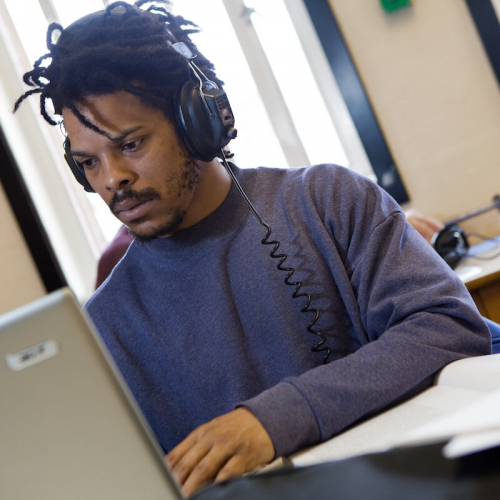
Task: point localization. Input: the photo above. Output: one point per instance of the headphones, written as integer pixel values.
(451, 244)
(203, 118)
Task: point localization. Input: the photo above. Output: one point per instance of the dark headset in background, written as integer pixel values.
(451, 244)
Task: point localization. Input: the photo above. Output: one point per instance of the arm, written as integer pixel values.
(408, 337)
(417, 316)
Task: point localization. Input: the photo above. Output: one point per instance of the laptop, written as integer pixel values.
(69, 426)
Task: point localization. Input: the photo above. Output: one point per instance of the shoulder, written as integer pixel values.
(330, 189)
(116, 283)
(301, 180)
(343, 183)
(321, 177)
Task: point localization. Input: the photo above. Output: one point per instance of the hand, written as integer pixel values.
(225, 447)
(427, 226)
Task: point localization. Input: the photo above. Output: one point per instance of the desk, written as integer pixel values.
(458, 385)
(383, 431)
(482, 279)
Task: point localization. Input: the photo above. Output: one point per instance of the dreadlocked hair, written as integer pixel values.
(124, 47)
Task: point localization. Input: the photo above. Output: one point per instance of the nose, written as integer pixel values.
(117, 174)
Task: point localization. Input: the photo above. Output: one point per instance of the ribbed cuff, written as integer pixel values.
(287, 418)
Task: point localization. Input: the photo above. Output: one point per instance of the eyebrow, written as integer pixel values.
(113, 140)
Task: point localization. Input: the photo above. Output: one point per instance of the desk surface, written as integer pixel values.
(476, 272)
(385, 430)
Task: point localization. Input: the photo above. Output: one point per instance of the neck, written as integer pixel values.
(213, 187)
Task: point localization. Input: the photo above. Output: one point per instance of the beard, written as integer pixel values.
(187, 180)
(162, 231)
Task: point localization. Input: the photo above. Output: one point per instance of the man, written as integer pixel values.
(216, 349)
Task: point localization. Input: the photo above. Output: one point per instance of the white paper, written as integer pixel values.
(481, 415)
(461, 402)
(380, 432)
(480, 373)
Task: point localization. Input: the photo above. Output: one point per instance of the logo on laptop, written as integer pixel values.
(32, 355)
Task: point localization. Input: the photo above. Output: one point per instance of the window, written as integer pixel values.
(289, 110)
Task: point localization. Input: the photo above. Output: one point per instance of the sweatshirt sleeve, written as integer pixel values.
(417, 316)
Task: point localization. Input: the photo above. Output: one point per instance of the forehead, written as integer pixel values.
(112, 113)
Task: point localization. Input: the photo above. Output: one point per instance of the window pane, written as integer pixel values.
(69, 11)
(296, 82)
(30, 23)
(256, 143)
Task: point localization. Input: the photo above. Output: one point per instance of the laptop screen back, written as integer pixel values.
(69, 428)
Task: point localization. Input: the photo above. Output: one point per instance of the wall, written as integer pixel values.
(436, 98)
(19, 279)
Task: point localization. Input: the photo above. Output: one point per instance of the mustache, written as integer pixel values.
(140, 196)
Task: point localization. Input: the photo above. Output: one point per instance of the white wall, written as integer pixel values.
(436, 97)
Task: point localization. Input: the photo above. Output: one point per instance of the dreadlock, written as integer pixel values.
(124, 47)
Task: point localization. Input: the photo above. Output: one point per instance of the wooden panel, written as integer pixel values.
(489, 297)
(435, 96)
(476, 297)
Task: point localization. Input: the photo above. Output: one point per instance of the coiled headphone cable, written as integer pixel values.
(320, 345)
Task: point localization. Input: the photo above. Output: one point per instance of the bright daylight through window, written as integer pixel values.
(282, 114)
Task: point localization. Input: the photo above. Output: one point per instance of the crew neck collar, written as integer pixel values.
(209, 230)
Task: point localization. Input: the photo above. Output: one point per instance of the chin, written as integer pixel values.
(161, 230)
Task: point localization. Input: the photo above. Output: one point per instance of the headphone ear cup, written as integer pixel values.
(451, 244)
(76, 168)
(205, 124)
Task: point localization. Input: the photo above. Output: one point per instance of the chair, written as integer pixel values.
(495, 335)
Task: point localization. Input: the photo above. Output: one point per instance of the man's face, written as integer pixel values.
(140, 168)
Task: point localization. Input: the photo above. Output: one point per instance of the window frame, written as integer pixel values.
(76, 237)
(487, 21)
(356, 98)
(29, 221)
(60, 203)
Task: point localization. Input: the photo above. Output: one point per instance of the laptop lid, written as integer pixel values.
(69, 427)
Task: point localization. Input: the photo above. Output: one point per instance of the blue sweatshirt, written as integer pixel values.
(202, 321)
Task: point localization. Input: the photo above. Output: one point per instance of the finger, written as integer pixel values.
(185, 466)
(432, 227)
(234, 467)
(205, 470)
(434, 223)
(424, 228)
(181, 449)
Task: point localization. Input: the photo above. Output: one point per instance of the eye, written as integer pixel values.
(88, 163)
(132, 145)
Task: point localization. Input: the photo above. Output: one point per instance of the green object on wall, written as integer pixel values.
(392, 5)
